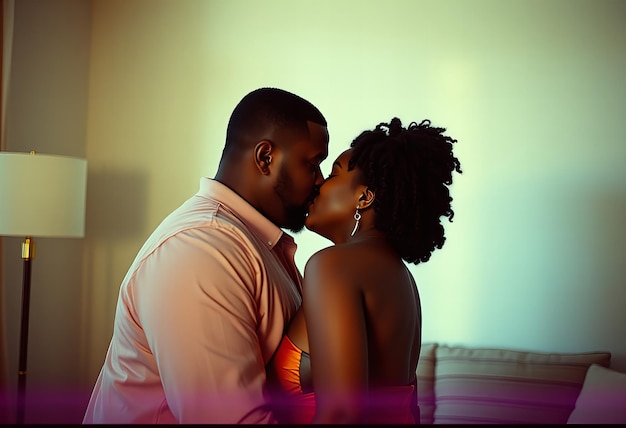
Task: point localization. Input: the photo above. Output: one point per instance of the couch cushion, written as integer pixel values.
(426, 383)
(482, 386)
(602, 399)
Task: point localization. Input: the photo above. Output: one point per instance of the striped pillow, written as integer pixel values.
(426, 383)
(499, 386)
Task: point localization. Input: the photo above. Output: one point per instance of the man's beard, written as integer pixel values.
(294, 215)
(295, 218)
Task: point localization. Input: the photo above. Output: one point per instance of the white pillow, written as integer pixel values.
(602, 399)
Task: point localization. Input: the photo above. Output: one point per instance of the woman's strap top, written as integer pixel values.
(294, 402)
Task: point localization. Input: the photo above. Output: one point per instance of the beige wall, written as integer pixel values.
(47, 112)
(532, 89)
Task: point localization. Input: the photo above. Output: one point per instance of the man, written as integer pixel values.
(208, 297)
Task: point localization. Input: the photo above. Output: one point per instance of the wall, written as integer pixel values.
(533, 90)
(47, 112)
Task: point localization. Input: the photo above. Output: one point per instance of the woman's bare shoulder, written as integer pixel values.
(329, 259)
(330, 270)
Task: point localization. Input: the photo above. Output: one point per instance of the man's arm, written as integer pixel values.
(200, 316)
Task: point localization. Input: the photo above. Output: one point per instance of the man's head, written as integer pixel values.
(275, 142)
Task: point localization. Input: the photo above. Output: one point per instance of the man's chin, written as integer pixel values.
(295, 220)
(296, 229)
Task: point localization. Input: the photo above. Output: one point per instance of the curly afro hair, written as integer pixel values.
(409, 169)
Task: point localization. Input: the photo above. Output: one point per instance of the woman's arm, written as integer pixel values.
(335, 319)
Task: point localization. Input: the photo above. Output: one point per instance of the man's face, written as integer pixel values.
(300, 176)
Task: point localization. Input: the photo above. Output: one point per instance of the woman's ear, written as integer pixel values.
(263, 156)
(367, 198)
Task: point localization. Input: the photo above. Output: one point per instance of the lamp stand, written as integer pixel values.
(28, 254)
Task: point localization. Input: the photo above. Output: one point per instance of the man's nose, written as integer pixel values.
(319, 178)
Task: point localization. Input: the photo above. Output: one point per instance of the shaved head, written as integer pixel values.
(264, 110)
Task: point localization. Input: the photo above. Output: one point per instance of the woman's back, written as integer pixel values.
(368, 300)
(391, 306)
(392, 310)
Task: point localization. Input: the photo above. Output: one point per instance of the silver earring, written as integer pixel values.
(357, 217)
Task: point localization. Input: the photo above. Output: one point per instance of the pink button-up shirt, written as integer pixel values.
(200, 313)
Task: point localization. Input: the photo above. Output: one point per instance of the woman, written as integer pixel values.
(351, 352)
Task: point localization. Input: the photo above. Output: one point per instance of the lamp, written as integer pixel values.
(40, 196)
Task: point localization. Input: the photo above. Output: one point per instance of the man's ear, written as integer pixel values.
(367, 198)
(263, 156)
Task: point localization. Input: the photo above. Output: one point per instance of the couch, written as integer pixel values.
(466, 385)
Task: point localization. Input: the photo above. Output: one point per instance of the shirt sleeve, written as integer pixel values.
(197, 301)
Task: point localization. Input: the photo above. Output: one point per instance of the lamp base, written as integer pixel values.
(28, 252)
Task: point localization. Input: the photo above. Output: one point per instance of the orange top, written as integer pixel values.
(294, 402)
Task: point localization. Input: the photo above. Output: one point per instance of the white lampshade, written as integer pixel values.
(42, 195)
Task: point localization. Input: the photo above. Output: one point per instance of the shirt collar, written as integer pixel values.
(240, 208)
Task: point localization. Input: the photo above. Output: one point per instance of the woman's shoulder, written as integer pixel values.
(330, 258)
(329, 267)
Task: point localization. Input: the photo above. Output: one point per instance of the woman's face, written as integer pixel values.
(332, 212)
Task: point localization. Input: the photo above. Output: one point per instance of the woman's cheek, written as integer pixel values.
(337, 201)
